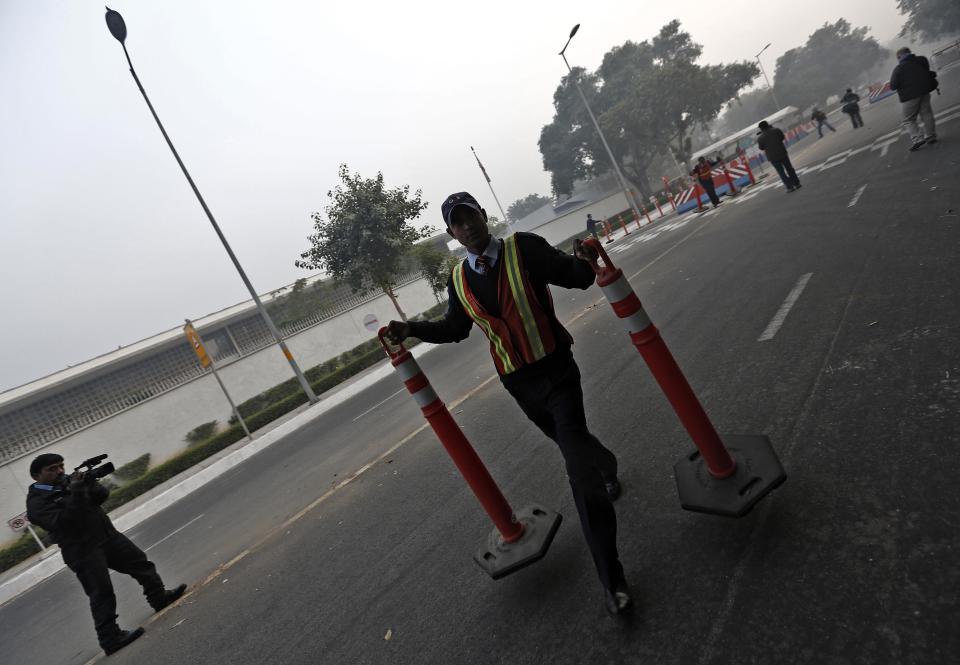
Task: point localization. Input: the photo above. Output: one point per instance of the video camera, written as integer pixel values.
(94, 472)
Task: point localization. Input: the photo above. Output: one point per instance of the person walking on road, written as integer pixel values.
(503, 287)
(820, 118)
(703, 172)
(851, 107)
(68, 507)
(771, 141)
(914, 81)
(592, 226)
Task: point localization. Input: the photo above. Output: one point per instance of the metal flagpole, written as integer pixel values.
(490, 185)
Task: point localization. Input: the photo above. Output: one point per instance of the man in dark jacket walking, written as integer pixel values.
(503, 287)
(852, 108)
(69, 509)
(770, 140)
(820, 118)
(913, 81)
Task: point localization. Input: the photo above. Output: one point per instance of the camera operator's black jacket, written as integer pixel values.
(72, 517)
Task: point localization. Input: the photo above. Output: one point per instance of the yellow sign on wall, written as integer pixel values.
(194, 338)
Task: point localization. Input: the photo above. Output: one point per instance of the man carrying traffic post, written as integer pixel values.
(69, 509)
(703, 172)
(502, 286)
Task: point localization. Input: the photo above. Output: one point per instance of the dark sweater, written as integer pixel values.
(771, 142)
(543, 265)
(911, 78)
(74, 519)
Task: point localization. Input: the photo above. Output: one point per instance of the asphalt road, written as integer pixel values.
(853, 560)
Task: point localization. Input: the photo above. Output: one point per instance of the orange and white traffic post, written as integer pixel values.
(726, 174)
(646, 214)
(666, 188)
(725, 476)
(655, 201)
(622, 225)
(518, 539)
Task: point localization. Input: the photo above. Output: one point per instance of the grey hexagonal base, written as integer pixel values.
(499, 559)
(758, 473)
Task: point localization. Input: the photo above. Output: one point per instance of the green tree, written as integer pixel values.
(366, 233)
(930, 19)
(649, 97)
(523, 207)
(834, 57)
(435, 266)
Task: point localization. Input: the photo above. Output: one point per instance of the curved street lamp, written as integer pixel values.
(616, 167)
(118, 28)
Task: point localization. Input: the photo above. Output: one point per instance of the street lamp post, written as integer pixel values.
(616, 167)
(769, 87)
(118, 29)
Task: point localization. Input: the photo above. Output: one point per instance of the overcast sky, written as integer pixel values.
(101, 240)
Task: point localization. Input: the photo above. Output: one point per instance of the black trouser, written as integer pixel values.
(119, 554)
(856, 119)
(785, 171)
(711, 191)
(554, 402)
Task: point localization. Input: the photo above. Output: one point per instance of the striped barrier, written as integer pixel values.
(740, 175)
(879, 91)
(715, 478)
(517, 540)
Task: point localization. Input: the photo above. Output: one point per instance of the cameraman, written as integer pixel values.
(69, 509)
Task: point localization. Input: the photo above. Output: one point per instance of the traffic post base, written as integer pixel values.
(758, 472)
(499, 558)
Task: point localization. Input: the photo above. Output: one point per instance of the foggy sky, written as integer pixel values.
(101, 240)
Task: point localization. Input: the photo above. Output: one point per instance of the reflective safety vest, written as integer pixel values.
(522, 334)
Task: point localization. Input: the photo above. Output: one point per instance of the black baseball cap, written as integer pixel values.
(458, 199)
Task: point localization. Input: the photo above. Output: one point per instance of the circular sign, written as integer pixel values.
(371, 323)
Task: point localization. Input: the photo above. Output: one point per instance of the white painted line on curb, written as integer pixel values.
(781, 314)
(377, 405)
(173, 533)
(856, 197)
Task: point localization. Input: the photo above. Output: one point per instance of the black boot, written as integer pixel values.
(123, 638)
(168, 597)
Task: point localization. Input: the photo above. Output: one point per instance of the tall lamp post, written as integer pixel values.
(616, 167)
(769, 87)
(119, 30)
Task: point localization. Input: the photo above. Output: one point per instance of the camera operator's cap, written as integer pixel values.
(458, 199)
(41, 461)
(763, 124)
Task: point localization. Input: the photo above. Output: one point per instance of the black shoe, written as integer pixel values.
(931, 140)
(123, 639)
(791, 189)
(613, 488)
(168, 597)
(917, 145)
(797, 186)
(618, 601)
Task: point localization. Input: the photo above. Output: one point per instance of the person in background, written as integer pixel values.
(771, 141)
(69, 509)
(703, 172)
(820, 118)
(914, 81)
(851, 107)
(592, 226)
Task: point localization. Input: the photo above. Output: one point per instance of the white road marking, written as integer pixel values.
(856, 197)
(781, 314)
(170, 535)
(377, 405)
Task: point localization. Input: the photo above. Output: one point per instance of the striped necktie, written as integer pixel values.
(483, 264)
